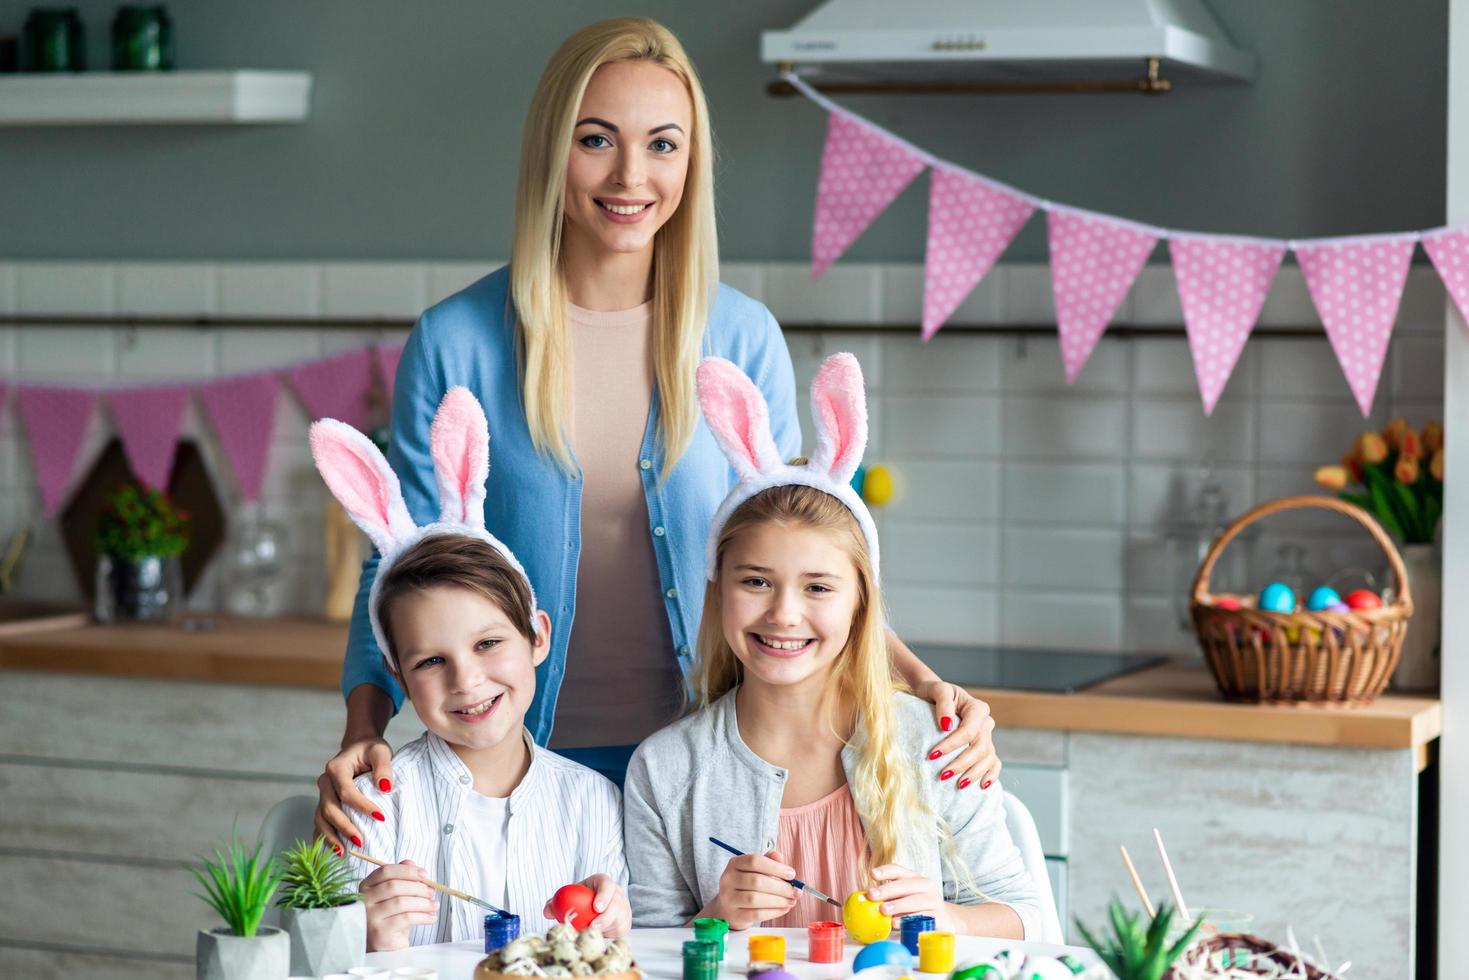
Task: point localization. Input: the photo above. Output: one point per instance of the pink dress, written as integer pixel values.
(825, 843)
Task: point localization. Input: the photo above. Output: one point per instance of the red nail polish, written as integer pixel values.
(378, 816)
(386, 785)
(934, 755)
(356, 841)
(947, 774)
(964, 782)
(339, 850)
(946, 723)
(986, 784)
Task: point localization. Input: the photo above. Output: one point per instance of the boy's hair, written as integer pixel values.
(457, 561)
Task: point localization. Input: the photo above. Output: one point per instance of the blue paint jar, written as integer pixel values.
(911, 926)
(500, 929)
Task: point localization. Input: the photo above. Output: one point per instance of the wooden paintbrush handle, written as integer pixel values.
(432, 884)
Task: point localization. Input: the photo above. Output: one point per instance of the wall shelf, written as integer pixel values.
(174, 97)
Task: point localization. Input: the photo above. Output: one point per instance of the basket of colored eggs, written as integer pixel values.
(1334, 651)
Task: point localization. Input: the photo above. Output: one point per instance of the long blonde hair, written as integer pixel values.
(685, 250)
(861, 682)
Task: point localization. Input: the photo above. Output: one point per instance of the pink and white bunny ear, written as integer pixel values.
(738, 417)
(839, 412)
(361, 479)
(459, 442)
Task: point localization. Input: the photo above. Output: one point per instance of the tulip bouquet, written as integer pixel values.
(1395, 475)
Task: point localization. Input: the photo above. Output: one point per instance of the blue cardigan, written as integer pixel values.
(531, 503)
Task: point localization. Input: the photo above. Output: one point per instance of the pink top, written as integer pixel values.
(825, 843)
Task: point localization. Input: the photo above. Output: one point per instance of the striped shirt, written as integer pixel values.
(564, 824)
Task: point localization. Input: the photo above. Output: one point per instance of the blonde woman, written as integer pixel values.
(803, 754)
(583, 352)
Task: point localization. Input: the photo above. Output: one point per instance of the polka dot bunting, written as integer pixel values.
(1356, 285)
(1222, 283)
(1449, 251)
(970, 223)
(1093, 263)
(862, 170)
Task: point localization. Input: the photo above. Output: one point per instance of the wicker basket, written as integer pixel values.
(1226, 943)
(1301, 657)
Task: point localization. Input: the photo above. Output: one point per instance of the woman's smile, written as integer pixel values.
(622, 210)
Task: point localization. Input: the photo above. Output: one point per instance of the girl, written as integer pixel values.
(803, 752)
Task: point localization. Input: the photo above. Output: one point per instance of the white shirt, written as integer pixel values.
(562, 824)
(484, 826)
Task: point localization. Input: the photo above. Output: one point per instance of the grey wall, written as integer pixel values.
(411, 145)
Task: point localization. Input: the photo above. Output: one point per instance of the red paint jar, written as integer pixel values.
(826, 942)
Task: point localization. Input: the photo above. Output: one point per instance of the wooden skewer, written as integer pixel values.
(1172, 881)
(433, 884)
(1136, 881)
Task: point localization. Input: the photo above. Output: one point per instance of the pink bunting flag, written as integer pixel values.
(148, 420)
(862, 170)
(1356, 284)
(336, 387)
(1448, 249)
(242, 411)
(1222, 283)
(970, 222)
(388, 357)
(1094, 260)
(56, 421)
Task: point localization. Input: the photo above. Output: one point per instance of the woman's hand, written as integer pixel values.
(978, 763)
(336, 788)
(752, 889)
(397, 899)
(614, 914)
(903, 892)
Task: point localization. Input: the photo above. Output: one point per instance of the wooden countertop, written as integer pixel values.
(1177, 698)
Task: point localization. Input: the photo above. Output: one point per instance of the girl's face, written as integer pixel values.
(470, 674)
(629, 156)
(788, 597)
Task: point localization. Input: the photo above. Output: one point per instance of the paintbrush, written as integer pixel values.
(794, 882)
(435, 885)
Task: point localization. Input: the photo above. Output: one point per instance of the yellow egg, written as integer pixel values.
(877, 488)
(862, 917)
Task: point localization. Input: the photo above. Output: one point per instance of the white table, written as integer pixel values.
(659, 954)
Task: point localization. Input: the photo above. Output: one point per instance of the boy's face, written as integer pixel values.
(470, 674)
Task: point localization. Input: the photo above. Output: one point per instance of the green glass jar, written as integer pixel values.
(142, 39)
(53, 40)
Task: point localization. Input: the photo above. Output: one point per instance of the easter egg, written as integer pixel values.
(572, 904)
(859, 477)
(1364, 599)
(1277, 597)
(1338, 607)
(864, 920)
(885, 952)
(1226, 602)
(878, 486)
(1322, 597)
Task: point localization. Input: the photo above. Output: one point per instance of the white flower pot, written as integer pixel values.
(1418, 665)
(326, 940)
(221, 955)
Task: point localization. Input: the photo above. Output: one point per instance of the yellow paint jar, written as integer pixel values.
(935, 952)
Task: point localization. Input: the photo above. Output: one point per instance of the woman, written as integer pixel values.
(583, 351)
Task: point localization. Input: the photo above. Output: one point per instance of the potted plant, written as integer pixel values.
(1396, 475)
(320, 910)
(140, 537)
(239, 886)
(1138, 948)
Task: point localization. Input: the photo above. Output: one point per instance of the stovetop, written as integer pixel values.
(1028, 669)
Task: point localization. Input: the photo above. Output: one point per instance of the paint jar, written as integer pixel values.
(935, 951)
(768, 949)
(500, 928)
(911, 926)
(757, 967)
(825, 942)
(714, 930)
(700, 959)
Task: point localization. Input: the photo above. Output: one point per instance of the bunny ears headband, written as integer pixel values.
(361, 479)
(740, 421)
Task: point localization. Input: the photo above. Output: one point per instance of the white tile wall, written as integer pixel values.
(1027, 511)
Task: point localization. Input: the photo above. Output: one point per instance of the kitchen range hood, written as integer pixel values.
(855, 46)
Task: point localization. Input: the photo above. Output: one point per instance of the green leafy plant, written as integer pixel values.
(141, 523)
(239, 885)
(315, 878)
(1138, 949)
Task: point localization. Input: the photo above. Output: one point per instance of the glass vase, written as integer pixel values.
(147, 589)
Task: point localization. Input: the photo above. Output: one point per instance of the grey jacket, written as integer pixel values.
(698, 779)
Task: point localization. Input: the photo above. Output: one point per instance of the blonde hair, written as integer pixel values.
(884, 785)
(685, 249)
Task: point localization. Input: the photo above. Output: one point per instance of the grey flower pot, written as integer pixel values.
(326, 940)
(221, 955)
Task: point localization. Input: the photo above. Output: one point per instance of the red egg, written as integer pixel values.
(572, 904)
(1364, 599)
(1226, 602)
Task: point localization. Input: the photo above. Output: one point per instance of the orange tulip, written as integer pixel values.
(1407, 470)
(1435, 465)
(1432, 436)
(1353, 465)
(1393, 433)
(1371, 447)
(1332, 477)
(1411, 445)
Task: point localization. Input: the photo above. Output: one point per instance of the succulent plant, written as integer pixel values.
(1138, 949)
